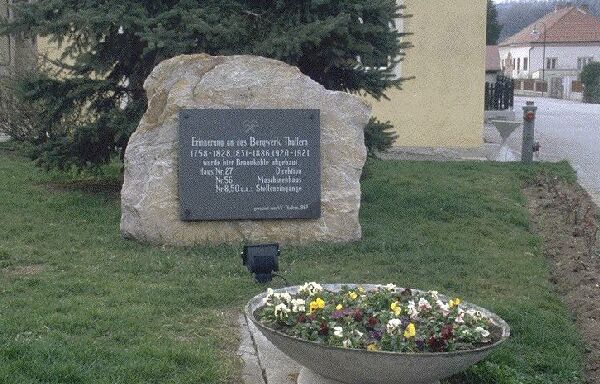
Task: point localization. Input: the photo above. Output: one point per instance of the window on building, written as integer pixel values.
(519, 64)
(551, 62)
(525, 63)
(583, 61)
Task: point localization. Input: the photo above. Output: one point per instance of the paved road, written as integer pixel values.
(568, 130)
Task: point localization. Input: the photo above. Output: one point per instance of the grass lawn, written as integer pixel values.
(80, 305)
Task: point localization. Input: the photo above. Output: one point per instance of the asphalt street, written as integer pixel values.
(567, 130)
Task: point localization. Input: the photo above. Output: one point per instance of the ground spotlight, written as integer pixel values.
(261, 260)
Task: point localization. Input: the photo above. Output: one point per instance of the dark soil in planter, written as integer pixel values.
(567, 220)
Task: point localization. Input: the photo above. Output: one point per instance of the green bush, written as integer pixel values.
(18, 119)
(591, 94)
(379, 136)
(590, 77)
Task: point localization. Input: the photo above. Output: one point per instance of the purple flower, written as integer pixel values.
(358, 315)
(405, 321)
(337, 315)
(323, 329)
(420, 344)
(372, 321)
(375, 335)
(447, 332)
(437, 344)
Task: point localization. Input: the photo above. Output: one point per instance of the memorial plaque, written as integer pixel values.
(249, 164)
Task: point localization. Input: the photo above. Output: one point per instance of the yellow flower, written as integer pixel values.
(353, 295)
(410, 331)
(454, 303)
(316, 304)
(372, 347)
(339, 307)
(395, 307)
(361, 290)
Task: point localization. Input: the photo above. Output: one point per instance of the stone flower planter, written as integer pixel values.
(332, 365)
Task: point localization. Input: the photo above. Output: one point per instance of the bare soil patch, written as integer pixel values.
(568, 221)
(108, 188)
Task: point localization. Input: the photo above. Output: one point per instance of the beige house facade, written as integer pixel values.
(15, 52)
(443, 106)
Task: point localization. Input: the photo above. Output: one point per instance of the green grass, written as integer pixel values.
(80, 305)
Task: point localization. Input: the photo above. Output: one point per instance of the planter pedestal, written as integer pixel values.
(309, 377)
(505, 129)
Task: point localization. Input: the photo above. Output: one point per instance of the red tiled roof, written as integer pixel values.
(566, 25)
(492, 59)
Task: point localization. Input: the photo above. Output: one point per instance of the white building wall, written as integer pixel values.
(516, 53)
(566, 58)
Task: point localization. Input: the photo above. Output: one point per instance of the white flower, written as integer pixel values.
(475, 314)
(443, 307)
(393, 325)
(390, 287)
(424, 304)
(266, 300)
(358, 333)
(483, 332)
(286, 297)
(298, 305)
(281, 310)
(433, 294)
(310, 288)
(460, 318)
(338, 331)
(347, 343)
(412, 309)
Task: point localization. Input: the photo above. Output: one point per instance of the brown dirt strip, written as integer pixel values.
(567, 221)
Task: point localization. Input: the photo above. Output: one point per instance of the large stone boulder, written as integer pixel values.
(149, 199)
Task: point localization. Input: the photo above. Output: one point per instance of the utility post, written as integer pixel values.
(528, 132)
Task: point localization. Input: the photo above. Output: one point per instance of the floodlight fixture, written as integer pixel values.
(261, 260)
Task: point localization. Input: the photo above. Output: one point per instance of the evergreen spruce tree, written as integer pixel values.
(494, 29)
(111, 46)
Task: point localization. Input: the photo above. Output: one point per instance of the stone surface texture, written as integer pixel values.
(149, 198)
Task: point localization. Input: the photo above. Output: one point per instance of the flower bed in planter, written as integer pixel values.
(375, 334)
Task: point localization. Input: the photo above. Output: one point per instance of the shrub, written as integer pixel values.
(590, 77)
(18, 118)
(379, 136)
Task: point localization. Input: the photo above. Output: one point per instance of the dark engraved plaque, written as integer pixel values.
(249, 164)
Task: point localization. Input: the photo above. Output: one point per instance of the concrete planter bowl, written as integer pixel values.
(332, 365)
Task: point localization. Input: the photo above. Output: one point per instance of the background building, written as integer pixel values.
(556, 46)
(492, 64)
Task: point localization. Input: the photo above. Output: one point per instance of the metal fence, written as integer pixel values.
(500, 95)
